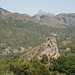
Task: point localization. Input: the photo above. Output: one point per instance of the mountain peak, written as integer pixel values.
(41, 12)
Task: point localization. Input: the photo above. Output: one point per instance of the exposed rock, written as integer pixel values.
(22, 49)
(14, 50)
(68, 49)
(37, 17)
(66, 42)
(50, 48)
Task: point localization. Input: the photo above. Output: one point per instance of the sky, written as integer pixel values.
(32, 7)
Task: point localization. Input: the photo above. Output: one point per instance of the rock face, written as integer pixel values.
(14, 50)
(49, 48)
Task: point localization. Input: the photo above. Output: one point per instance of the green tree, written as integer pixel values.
(14, 66)
(34, 71)
(44, 58)
(25, 68)
(35, 62)
(55, 73)
(65, 64)
(43, 70)
(8, 73)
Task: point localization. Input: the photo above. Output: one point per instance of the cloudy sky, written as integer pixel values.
(31, 7)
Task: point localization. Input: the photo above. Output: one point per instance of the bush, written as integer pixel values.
(25, 68)
(44, 58)
(35, 62)
(43, 70)
(7, 73)
(55, 73)
(14, 66)
(65, 64)
(34, 71)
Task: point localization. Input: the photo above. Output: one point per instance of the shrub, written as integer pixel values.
(44, 58)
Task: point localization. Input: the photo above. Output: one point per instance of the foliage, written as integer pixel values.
(44, 58)
(34, 71)
(7, 73)
(35, 62)
(25, 68)
(43, 70)
(14, 67)
(65, 64)
(61, 66)
(55, 73)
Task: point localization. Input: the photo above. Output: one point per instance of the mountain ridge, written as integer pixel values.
(49, 48)
(41, 12)
(21, 32)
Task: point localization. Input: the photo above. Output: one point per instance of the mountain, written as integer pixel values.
(68, 18)
(9, 17)
(23, 37)
(21, 32)
(59, 21)
(3, 11)
(41, 12)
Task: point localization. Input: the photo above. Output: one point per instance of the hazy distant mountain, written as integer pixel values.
(60, 21)
(67, 18)
(41, 12)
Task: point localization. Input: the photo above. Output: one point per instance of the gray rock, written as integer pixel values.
(49, 48)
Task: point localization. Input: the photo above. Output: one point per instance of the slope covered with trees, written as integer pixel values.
(20, 33)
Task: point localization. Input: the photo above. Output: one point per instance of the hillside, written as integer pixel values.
(51, 21)
(21, 32)
(68, 19)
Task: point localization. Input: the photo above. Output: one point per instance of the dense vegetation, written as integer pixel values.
(64, 65)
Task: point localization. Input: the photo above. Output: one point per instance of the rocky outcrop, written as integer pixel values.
(49, 48)
(13, 50)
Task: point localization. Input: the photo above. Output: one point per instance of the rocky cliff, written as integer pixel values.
(49, 47)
